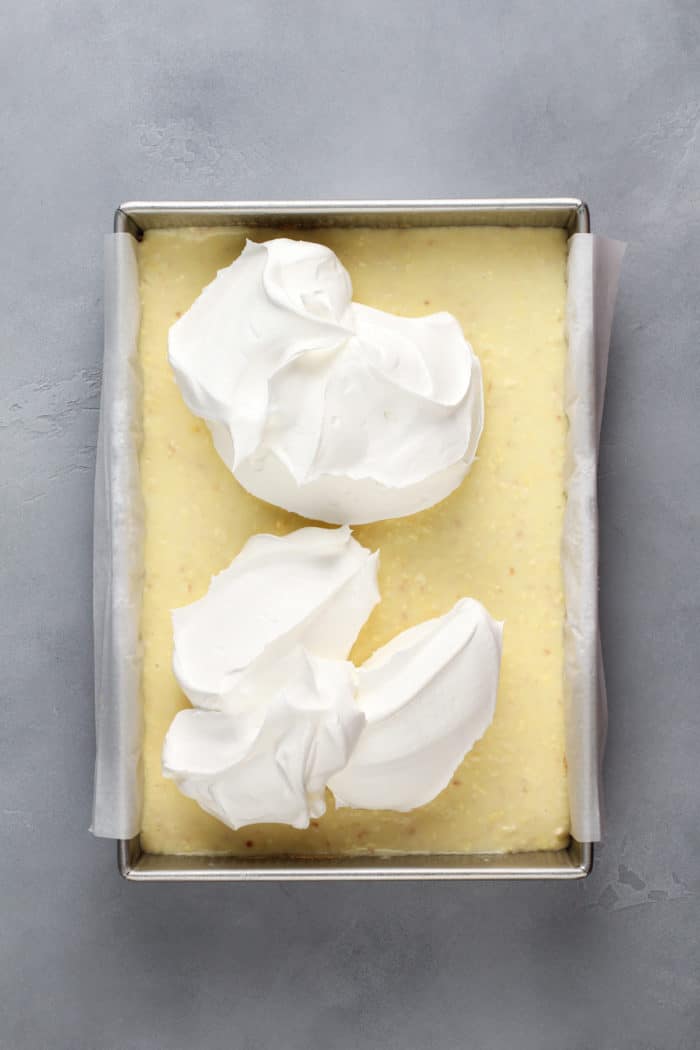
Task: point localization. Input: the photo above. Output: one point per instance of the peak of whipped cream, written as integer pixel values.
(280, 713)
(314, 587)
(320, 405)
(271, 762)
(428, 696)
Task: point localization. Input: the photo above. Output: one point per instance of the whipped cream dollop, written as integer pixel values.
(272, 762)
(262, 658)
(428, 696)
(280, 713)
(320, 405)
(314, 587)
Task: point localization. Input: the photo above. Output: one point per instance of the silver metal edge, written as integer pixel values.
(576, 864)
(131, 860)
(127, 216)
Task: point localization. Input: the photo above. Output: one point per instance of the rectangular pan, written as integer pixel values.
(135, 217)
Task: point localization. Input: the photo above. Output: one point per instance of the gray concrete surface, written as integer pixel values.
(106, 101)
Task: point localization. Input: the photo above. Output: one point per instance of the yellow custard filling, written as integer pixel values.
(497, 538)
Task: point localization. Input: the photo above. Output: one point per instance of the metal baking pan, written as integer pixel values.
(135, 217)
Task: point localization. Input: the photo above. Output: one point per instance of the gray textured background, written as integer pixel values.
(106, 101)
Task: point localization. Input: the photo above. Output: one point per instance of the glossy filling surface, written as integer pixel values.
(497, 538)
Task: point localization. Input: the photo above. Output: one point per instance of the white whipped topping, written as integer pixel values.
(280, 714)
(270, 763)
(320, 405)
(314, 587)
(428, 696)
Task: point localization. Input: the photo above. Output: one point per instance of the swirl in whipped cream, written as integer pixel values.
(270, 763)
(428, 696)
(325, 407)
(314, 587)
